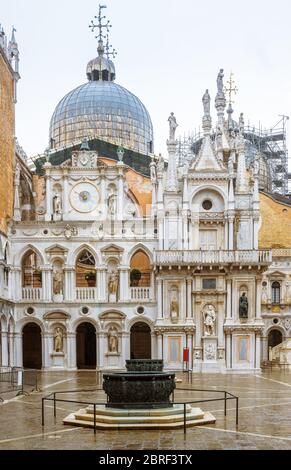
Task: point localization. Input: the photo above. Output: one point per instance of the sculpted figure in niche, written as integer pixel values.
(209, 320)
(57, 204)
(173, 126)
(243, 306)
(57, 282)
(112, 204)
(113, 282)
(112, 340)
(174, 307)
(58, 340)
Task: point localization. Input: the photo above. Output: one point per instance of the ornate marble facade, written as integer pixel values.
(92, 275)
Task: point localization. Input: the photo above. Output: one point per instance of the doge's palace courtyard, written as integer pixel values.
(264, 417)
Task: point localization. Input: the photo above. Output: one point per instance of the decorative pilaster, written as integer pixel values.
(17, 210)
(47, 167)
(258, 298)
(120, 198)
(71, 350)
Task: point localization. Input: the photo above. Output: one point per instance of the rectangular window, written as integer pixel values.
(208, 240)
(209, 284)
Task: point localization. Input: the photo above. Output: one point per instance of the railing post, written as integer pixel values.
(55, 408)
(236, 411)
(42, 412)
(94, 418)
(185, 418)
(224, 403)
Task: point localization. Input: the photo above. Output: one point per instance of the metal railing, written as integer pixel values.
(52, 397)
(17, 379)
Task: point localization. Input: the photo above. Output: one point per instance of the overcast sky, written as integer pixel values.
(169, 52)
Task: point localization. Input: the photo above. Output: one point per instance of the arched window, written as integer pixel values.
(85, 270)
(276, 292)
(140, 270)
(31, 273)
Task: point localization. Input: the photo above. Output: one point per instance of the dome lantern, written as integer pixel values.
(102, 68)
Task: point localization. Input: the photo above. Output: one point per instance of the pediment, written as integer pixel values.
(276, 274)
(112, 315)
(112, 249)
(57, 316)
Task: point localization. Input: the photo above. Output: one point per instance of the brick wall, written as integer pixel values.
(6, 143)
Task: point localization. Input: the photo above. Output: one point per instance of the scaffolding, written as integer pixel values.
(269, 144)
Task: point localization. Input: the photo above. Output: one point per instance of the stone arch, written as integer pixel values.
(3, 322)
(211, 188)
(143, 319)
(73, 255)
(140, 269)
(85, 268)
(135, 248)
(19, 256)
(21, 324)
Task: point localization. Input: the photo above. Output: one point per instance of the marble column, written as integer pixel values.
(258, 351)
(11, 349)
(189, 299)
(46, 350)
(48, 215)
(160, 346)
(70, 283)
(124, 284)
(120, 208)
(228, 299)
(226, 229)
(18, 350)
(71, 350)
(102, 349)
(228, 351)
(258, 298)
(4, 344)
(230, 234)
(65, 208)
(126, 346)
(159, 299)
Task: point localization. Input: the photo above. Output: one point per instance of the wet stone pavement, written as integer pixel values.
(264, 416)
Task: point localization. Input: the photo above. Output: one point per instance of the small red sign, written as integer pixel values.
(186, 354)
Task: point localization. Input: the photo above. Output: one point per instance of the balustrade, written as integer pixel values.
(31, 293)
(186, 257)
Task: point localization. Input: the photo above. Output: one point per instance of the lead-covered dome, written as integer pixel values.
(102, 109)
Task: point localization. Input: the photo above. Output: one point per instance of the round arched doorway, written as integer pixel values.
(31, 346)
(86, 346)
(274, 338)
(140, 341)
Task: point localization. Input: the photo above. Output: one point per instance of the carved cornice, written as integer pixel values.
(174, 329)
(246, 328)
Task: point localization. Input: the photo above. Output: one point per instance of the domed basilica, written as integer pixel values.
(108, 252)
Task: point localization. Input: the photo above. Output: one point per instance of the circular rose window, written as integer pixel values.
(207, 205)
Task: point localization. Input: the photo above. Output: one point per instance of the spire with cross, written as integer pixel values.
(231, 89)
(101, 26)
(110, 51)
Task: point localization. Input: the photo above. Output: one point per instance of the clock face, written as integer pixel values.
(84, 197)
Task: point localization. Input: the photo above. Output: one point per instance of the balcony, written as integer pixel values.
(141, 294)
(31, 293)
(211, 257)
(86, 293)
